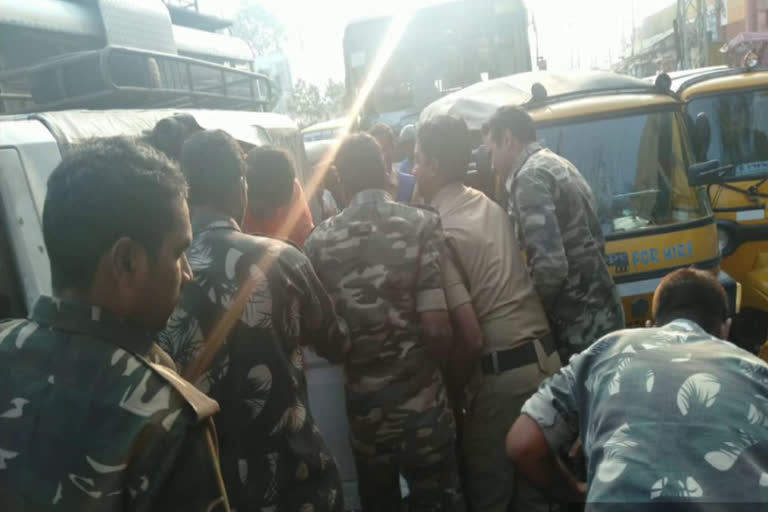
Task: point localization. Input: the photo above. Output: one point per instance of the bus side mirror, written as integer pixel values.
(709, 173)
(702, 134)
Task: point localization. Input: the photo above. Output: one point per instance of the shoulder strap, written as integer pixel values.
(451, 244)
(202, 404)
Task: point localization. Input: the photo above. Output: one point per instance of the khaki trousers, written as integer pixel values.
(493, 405)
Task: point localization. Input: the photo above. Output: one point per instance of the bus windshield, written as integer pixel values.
(636, 166)
(739, 129)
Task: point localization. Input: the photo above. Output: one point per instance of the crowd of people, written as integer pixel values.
(482, 338)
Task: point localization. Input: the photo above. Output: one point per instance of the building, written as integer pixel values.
(687, 34)
(746, 16)
(653, 46)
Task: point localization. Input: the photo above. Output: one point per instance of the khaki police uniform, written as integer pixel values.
(518, 350)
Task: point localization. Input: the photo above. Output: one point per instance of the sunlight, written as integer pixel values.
(390, 41)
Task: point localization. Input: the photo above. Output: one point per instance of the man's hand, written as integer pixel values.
(528, 450)
(468, 342)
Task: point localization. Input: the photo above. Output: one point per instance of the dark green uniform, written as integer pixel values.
(381, 263)
(555, 214)
(88, 423)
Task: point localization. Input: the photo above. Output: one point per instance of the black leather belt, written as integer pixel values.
(505, 360)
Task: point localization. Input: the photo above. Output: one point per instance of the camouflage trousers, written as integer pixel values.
(418, 445)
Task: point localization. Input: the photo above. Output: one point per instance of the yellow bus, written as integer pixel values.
(727, 110)
(629, 140)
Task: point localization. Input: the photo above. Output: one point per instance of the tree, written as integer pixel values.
(333, 99)
(308, 106)
(259, 28)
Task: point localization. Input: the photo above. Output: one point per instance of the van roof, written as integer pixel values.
(569, 94)
(694, 82)
(331, 124)
(72, 126)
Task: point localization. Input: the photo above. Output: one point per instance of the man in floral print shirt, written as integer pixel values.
(272, 456)
(667, 414)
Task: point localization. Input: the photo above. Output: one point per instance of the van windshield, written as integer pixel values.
(636, 165)
(739, 129)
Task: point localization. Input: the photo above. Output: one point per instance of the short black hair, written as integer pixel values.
(105, 190)
(514, 119)
(169, 134)
(446, 139)
(271, 174)
(382, 131)
(360, 164)
(691, 294)
(213, 163)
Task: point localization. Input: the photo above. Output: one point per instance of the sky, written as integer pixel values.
(572, 34)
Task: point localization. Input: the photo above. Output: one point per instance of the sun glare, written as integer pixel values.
(390, 41)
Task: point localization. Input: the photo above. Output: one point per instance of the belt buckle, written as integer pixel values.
(495, 362)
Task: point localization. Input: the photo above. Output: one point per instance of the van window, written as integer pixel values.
(636, 166)
(739, 129)
(12, 303)
(328, 134)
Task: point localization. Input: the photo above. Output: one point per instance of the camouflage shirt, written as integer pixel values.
(272, 455)
(554, 212)
(665, 414)
(86, 423)
(380, 262)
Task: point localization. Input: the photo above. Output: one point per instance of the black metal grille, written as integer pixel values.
(117, 77)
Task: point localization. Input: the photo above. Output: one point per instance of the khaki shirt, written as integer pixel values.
(499, 285)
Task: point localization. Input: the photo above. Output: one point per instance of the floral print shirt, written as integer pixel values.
(273, 458)
(665, 414)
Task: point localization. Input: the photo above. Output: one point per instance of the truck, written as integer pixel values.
(445, 47)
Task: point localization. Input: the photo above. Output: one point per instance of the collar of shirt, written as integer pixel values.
(89, 320)
(530, 150)
(371, 195)
(685, 325)
(211, 221)
(445, 195)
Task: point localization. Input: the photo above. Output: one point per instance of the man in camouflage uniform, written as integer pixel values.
(87, 421)
(272, 455)
(668, 414)
(381, 263)
(554, 212)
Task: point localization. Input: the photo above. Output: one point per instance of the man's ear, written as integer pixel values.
(128, 258)
(725, 329)
(434, 167)
(509, 141)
